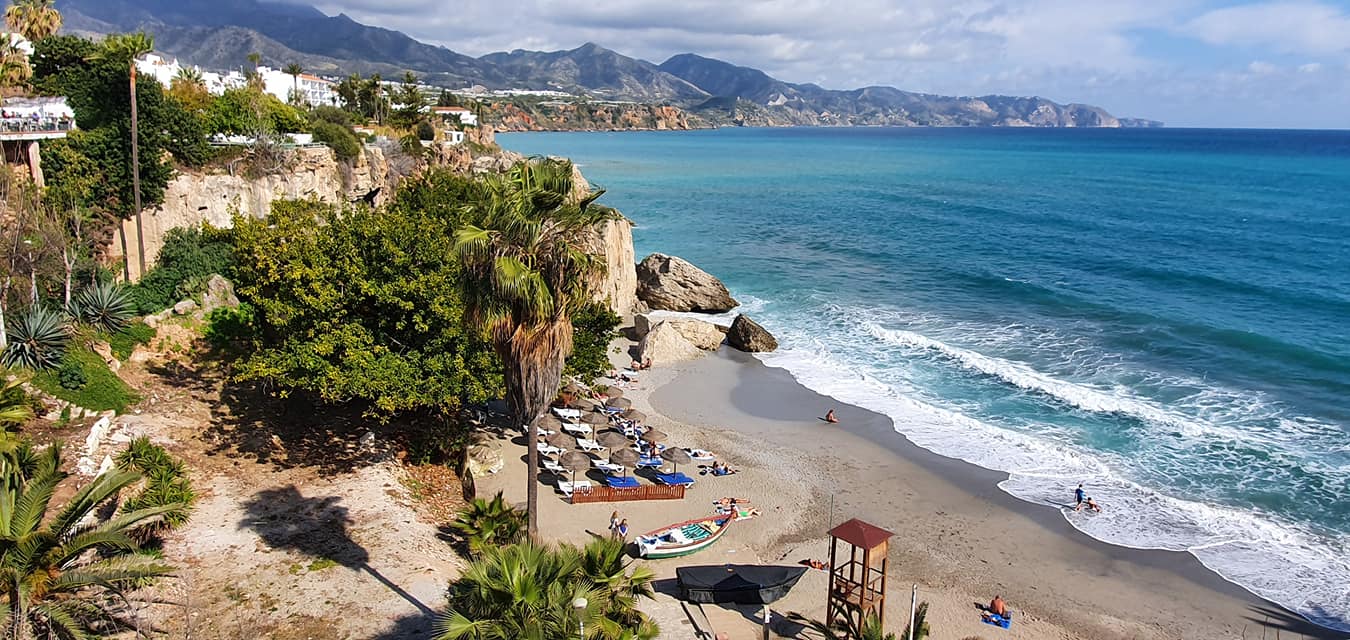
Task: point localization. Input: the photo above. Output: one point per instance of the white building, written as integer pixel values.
(310, 89)
(465, 116)
(16, 40)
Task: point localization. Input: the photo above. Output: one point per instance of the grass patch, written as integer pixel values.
(102, 389)
(124, 342)
(321, 564)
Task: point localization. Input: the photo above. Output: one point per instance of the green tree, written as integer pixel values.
(189, 89)
(410, 103)
(360, 305)
(446, 99)
(349, 91)
(129, 47)
(15, 70)
(594, 327)
(525, 274)
(847, 629)
(248, 111)
(485, 524)
(621, 583)
(61, 576)
(34, 19)
(294, 70)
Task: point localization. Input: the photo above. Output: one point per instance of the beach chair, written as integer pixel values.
(650, 461)
(589, 445)
(578, 429)
(607, 467)
(567, 414)
(677, 478)
(547, 449)
(568, 488)
(621, 482)
(553, 466)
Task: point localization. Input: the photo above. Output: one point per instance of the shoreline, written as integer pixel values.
(1104, 585)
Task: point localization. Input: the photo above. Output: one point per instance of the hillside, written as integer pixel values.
(221, 34)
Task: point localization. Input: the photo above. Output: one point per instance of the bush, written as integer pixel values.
(338, 138)
(425, 131)
(166, 482)
(188, 258)
(489, 523)
(37, 339)
(106, 306)
(340, 117)
(102, 391)
(230, 326)
(594, 327)
(71, 377)
(124, 342)
(248, 112)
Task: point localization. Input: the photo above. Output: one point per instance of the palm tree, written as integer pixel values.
(256, 59)
(525, 273)
(520, 591)
(294, 70)
(605, 564)
(132, 46)
(63, 580)
(14, 406)
(488, 523)
(34, 19)
(191, 75)
(15, 71)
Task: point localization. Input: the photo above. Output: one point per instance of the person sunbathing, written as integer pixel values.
(998, 607)
(816, 564)
(829, 416)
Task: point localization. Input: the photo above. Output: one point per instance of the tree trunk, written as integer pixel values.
(533, 364)
(68, 259)
(136, 175)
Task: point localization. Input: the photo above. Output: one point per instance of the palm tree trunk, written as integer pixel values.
(533, 363)
(136, 176)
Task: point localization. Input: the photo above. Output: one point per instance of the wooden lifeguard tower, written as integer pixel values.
(857, 586)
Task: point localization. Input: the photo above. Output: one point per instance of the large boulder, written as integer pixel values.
(642, 325)
(219, 293)
(704, 335)
(484, 460)
(746, 334)
(665, 344)
(671, 283)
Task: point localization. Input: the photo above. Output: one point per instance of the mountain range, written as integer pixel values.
(219, 34)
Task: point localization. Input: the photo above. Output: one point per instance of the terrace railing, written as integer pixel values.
(644, 492)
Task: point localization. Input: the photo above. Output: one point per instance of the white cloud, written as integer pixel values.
(1289, 27)
(1259, 67)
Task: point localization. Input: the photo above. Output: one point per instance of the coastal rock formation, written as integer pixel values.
(642, 325)
(704, 335)
(671, 283)
(614, 241)
(665, 344)
(746, 334)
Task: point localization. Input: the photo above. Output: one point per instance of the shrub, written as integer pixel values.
(71, 377)
(425, 131)
(188, 258)
(124, 342)
(37, 339)
(229, 326)
(102, 391)
(166, 483)
(594, 327)
(338, 138)
(489, 523)
(106, 306)
(15, 405)
(334, 115)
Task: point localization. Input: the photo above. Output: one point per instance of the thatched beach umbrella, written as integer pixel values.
(575, 461)
(583, 403)
(676, 456)
(571, 387)
(595, 417)
(612, 392)
(619, 403)
(547, 422)
(654, 435)
(562, 441)
(612, 440)
(634, 415)
(624, 457)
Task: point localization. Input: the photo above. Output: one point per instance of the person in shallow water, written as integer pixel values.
(829, 416)
(1089, 503)
(1078, 497)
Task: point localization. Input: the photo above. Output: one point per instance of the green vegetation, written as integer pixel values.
(37, 339)
(71, 377)
(102, 391)
(189, 257)
(250, 112)
(524, 275)
(15, 406)
(486, 524)
(526, 591)
(594, 327)
(106, 306)
(871, 628)
(339, 138)
(321, 563)
(124, 342)
(64, 574)
(228, 327)
(166, 484)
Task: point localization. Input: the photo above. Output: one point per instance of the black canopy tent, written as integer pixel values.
(737, 584)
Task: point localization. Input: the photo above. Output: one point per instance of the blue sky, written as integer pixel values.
(1282, 63)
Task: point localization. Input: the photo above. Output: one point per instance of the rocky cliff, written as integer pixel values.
(587, 116)
(614, 240)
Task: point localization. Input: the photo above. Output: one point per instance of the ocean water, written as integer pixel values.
(1161, 314)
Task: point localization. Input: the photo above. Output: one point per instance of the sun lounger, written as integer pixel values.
(567, 414)
(650, 461)
(551, 465)
(589, 445)
(547, 449)
(607, 467)
(579, 429)
(568, 488)
(544, 433)
(674, 478)
(622, 482)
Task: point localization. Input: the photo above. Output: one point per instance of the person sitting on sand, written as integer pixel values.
(722, 469)
(998, 607)
(829, 416)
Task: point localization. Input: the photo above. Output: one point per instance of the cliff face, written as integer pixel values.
(584, 116)
(193, 198)
(614, 240)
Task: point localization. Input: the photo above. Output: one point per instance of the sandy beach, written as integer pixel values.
(958, 537)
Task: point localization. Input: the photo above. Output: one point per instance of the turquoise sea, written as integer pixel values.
(1162, 314)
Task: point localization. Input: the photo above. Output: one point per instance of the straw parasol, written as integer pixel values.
(595, 417)
(625, 457)
(676, 456)
(612, 392)
(575, 461)
(612, 440)
(654, 435)
(562, 441)
(619, 403)
(583, 403)
(634, 415)
(571, 387)
(546, 421)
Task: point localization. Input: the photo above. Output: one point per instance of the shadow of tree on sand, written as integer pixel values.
(408, 627)
(316, 527)
(1269, 623)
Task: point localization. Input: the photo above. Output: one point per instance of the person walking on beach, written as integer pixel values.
(614, 524)
(1078, 497)
(622, 530)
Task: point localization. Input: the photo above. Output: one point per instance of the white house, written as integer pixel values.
(310, 89)
(158, 67)
(465, 116)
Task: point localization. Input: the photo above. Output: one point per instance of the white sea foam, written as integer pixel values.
(1301, 569)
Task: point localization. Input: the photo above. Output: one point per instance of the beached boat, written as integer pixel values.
(684, 538)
